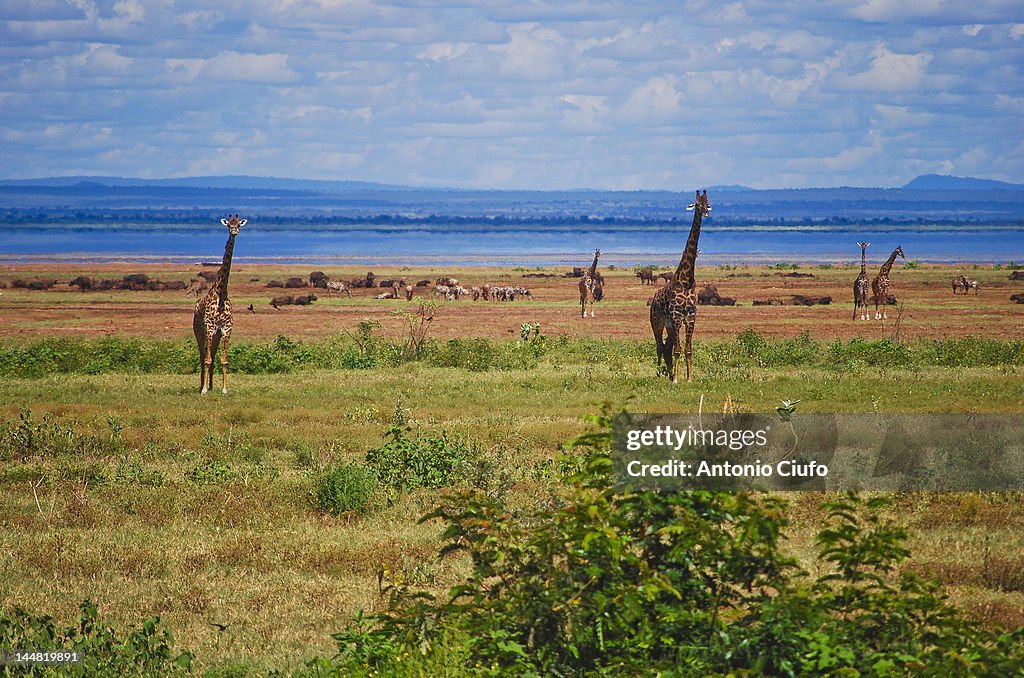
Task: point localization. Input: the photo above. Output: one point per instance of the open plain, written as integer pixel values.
(148, 498)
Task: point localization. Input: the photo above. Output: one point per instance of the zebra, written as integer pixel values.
(338, 286)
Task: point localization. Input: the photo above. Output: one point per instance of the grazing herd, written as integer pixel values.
(673, 308)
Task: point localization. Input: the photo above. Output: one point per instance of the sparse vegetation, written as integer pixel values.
(118, 483)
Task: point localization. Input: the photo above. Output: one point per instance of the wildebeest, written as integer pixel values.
(83, 283)
(646, 276)
(304, 300)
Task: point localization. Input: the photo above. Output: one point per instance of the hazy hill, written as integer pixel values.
(948, 183)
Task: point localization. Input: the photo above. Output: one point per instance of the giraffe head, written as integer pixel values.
(863, 245)
(701, 203)
(234, 223)
(899, 252)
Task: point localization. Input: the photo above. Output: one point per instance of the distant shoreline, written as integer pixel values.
(484, 261)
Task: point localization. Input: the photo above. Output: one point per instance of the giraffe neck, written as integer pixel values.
(593, 266)
(225, 271)
(863, 261)
(684, 272)
(887, 266)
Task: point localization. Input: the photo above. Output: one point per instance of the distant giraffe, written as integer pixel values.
(589, 284)
(211, 322)
(861, 285)
(880, 285)
(675, 305)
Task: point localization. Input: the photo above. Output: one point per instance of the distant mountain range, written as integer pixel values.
(947, 183)
(270, 200)
(923, 182)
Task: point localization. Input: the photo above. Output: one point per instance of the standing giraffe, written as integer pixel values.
(212, 320)
(590, 287)
(675, 304)
(861, 285)
(880, 285)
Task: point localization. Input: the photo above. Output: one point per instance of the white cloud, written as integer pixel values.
(891, 72)
(973, 30)
(532, 52)
(656, 100)
(234, 67)
(900, 116)
(443, 51)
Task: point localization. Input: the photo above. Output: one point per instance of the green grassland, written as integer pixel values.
(120, 483)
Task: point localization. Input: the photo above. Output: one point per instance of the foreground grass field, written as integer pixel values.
(126, 487)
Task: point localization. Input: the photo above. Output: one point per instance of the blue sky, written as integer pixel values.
(530, 94)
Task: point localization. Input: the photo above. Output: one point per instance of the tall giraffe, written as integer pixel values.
(861, 285)
(675, 304)
(212, 320)
(880, 285)
(589, 287)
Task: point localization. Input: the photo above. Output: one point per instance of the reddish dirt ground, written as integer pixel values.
(929, 309)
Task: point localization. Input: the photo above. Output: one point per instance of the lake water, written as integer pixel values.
(502, 247)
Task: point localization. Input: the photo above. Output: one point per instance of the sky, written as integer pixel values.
(528, 94)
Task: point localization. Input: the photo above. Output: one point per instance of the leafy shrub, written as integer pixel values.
(209, 472)
(146, 651)
(685, 583)
(342, 487)
(405, 462)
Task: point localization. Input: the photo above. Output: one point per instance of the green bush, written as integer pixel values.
(146, 651)
(686, 583)
(209, 472)
(342, 488)
(406, 462)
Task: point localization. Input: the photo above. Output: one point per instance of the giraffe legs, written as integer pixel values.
(199, 329)
(672, 351)
(206, 376)
(224, 364)
(690, 322)
(658, 327)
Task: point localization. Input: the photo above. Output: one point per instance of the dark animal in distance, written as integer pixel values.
(646, 276)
